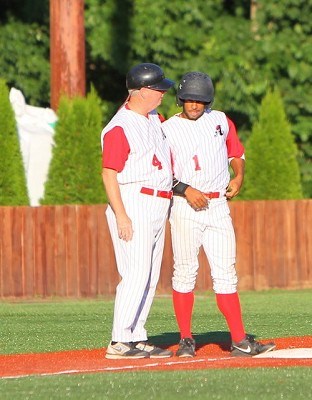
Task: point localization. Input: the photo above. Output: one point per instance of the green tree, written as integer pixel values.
(13, 187)
(284, 43)
(272, 170)
(75, 171)
(24, 60)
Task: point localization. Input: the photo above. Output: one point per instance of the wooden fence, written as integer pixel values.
(67, 251)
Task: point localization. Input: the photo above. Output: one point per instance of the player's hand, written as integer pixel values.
(196, 199)
(234, 188)
(124, 226)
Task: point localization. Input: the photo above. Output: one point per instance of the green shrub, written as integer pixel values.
(75, 171)
(272, 170)
(13, 187)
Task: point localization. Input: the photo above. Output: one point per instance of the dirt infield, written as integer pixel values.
(92, 361)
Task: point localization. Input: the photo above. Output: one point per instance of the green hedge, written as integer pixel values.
(74, 175)
(13, 187)
(272, 170)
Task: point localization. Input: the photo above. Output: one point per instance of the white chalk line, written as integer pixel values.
(121, 368)
(283, 353)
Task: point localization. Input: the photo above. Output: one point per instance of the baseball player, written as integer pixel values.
(137, 175)
(203, 143)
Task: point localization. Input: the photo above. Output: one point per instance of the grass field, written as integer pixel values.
(62, 325)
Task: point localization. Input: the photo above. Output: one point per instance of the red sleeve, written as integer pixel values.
(233, 144)
(115, 149)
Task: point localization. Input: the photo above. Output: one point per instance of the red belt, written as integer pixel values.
(157, 193)
(212, 195)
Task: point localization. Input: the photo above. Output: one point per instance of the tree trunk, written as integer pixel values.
(67, 49)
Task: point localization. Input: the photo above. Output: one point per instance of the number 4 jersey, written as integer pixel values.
(135, 146)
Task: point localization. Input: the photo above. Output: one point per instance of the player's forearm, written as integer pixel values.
(238, 167)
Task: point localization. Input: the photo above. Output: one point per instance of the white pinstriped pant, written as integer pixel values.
(211, 228)
(138, 263)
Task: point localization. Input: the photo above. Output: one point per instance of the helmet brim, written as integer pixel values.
(165, 84)
(195, 97)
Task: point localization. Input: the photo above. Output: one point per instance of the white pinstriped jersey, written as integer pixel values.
(134, 146)
(148, 163)
(199, 150)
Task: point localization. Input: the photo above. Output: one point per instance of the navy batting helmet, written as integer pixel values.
(147, 75)
(195, 86)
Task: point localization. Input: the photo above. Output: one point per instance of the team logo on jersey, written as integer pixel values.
(218, 131)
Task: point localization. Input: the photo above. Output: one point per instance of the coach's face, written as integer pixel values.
(193, 109)
(152, 97)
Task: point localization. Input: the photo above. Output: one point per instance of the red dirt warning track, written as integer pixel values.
(91, 361)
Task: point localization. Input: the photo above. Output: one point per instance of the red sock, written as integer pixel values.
(229, 306)
(183, 308)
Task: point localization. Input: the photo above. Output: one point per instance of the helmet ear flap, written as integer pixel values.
(179, 102)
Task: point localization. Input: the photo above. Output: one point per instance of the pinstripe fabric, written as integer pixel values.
(211, 228)
(199, 151)
(145, 139)
(200, 159)
(139, 260)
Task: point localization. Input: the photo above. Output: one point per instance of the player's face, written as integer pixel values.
(193, 109)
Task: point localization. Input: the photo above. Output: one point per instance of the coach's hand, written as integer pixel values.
(124, 226)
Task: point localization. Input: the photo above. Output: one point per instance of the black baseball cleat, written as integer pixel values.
(249, 347)
(152, 350)
(186, 348)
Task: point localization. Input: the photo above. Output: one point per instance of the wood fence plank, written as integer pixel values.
(60, 252)
(289, 246)
(7, 253)
(103, 282)
(28, 252)
(108, 276)
(308, 243)
(83, 250)
(303, 245)
(2, 235)
(242, 216)
(71, 258)
(40, 252)
(273, 244)
(92, 227)
(49, 229)
(2, 271)
(259, 259)
(17, 246)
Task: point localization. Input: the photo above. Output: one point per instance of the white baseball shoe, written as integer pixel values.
(121, 350)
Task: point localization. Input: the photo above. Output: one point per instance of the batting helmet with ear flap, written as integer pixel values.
(147, 75)
(195, 86)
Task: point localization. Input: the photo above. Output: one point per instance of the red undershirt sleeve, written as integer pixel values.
(116, 149)
(161, 118)
(233, 144)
